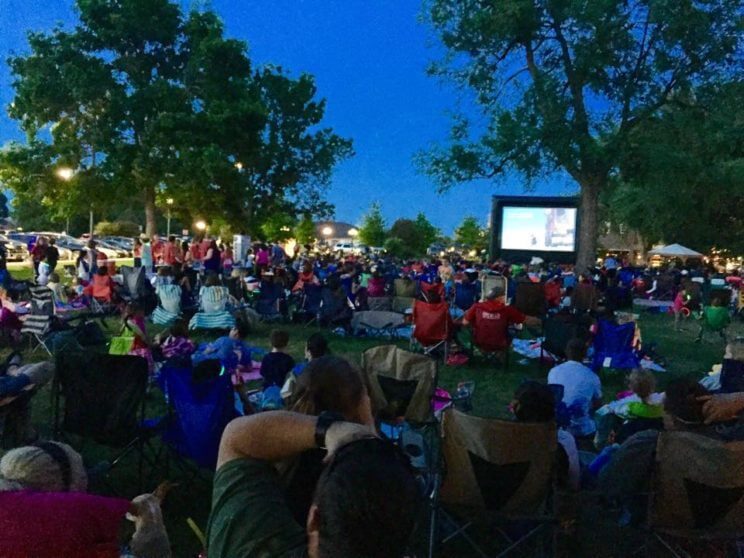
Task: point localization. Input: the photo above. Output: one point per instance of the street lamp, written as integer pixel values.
(169, 202)
(66, 174)
(327, 231)
(353, 234)
(200, 226)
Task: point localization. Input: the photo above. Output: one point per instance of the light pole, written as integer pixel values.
(353, 234)
(200, 226)
(327, 232)
(169, 202)
(66, 174)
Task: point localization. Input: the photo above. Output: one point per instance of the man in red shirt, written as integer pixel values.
(156, 245)
(491, 319)
(172, 251)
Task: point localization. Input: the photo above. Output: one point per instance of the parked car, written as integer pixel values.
(343, 247)
(15, 250)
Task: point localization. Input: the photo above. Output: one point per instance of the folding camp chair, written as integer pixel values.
(401, 383)
(558, 330)
(101, 397)
(714, 319)
(529, 298)
(665, 289)
(697, 491)
(489, 282)
(552, 290)
(432, 292)
(213, 314)
(136, 288)
(377, 324)
(335, 309)
(613, 346)
(432, 326)
(200, 411)
(269, 302)
(584, 298)
(381, 303)
(311, 301)
(497, 472)
(38, 323)
(169, 305)
(405, 294)
(101, 294)
(490, 334)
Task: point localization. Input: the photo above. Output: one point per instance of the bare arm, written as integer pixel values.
(277, 435)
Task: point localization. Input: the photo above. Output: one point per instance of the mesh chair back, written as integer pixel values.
(312, 297)
(394, 375)
(103, 395)
(432, 292)
(488, 282)
(497, 465)
(698, 486)
(202, 410)
(432, 322)
(404, 287)
(529, 298)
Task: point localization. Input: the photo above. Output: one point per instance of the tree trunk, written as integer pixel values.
(588, 225)
(151, 227)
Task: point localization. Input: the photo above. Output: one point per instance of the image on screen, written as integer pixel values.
(547, 229)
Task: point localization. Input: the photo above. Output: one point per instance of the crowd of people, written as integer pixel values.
(306, 470)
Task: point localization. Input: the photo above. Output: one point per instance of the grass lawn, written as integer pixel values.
(494, 388)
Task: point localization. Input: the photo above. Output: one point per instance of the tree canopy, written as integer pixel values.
(147, 103)
(409, 238)
(471, 235)
(682, 177)
(562, 85)
(372, 231)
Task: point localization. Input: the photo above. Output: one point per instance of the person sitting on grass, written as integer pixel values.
(315, 347)
(365, 503)
(176, 344)
(277, 364)
(134, 323)
(59, 292)
(582, 389)
(231, 349)
(9, 320)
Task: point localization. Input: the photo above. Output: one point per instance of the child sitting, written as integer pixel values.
(230, 350)
(643, 384)
(277, 364)
(59, 293)
(177, 344)
(134, 321)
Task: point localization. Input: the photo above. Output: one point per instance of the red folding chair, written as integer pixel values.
(491, 333)
(432, 292)
(432, 326)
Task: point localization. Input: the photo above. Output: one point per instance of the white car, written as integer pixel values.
(343, 247)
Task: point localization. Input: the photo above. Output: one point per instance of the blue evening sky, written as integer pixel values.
(369, 60)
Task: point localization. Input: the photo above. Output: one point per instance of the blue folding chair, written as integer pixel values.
(613, 346)
(312, 295)
(200, 412)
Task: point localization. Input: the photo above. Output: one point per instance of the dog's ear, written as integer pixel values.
(162, 490)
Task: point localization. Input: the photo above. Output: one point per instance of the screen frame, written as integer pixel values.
(531, 202)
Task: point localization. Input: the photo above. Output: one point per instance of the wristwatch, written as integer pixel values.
(324, 422)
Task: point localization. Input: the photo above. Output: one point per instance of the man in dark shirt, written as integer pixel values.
(52, 255)
(365, 504)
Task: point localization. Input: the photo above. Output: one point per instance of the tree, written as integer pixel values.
(305, 230)
(146, 103)
(278, 227)
(681, 178)
(412, 240)
(4, 211)
(563, 85)
(471, 234)
(372, 231)
(427, 232)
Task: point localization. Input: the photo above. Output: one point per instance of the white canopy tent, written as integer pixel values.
(675, 251)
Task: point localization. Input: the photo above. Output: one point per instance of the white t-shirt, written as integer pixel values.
(567, 442)
(580, 387)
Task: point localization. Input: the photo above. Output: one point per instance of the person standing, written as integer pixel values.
(171, 252)
(52, 255)
(147, 259)
(38, 253)
(137, 252)
(212, 259)
(91, 257)
(157, 247)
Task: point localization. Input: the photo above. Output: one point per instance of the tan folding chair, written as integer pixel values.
(488, 282)
(697, 491)
(401, 384)
(497, 471)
